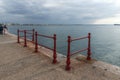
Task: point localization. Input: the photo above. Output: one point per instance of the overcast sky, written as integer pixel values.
(60, 11)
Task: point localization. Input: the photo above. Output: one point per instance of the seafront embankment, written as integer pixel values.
(22, 63)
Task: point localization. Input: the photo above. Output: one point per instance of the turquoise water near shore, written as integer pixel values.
(105, 41)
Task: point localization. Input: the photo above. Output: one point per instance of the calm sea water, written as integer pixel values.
(105, 41)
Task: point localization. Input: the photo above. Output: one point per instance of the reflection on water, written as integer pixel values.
(105, 41)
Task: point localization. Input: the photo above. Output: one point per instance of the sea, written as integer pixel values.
(105, 39)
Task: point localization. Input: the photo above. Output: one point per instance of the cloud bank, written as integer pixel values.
(60, 11)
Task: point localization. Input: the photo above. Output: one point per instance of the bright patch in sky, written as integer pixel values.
(110, 20)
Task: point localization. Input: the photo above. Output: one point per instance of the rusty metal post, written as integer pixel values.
(68, 55)
(18, 37)
(89, 47)
(33, 35)
(25, 40)
(36, 42)
(54, 50)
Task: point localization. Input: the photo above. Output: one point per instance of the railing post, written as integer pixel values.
(18, 37)
(54, 51)
(36, 42)
(89, 47)
(25, 40)
(68, 55)
(33, 35)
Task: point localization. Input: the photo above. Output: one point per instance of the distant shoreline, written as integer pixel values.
(117, 24)
(58, 24)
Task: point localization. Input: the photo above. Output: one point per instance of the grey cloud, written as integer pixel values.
(54, 11)
(16, 7)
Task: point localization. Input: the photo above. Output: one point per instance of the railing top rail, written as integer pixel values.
(29, 32)
(25, 30)
(21, 30)
(75, 39)
(45, 36)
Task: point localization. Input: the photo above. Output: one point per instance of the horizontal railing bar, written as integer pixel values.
(79, 51)
(24, 30)
(21, 30)
(45, 36)
(45, 47)
(29, 32)
(79, 38)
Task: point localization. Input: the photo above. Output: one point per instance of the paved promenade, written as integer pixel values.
(21, 63)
